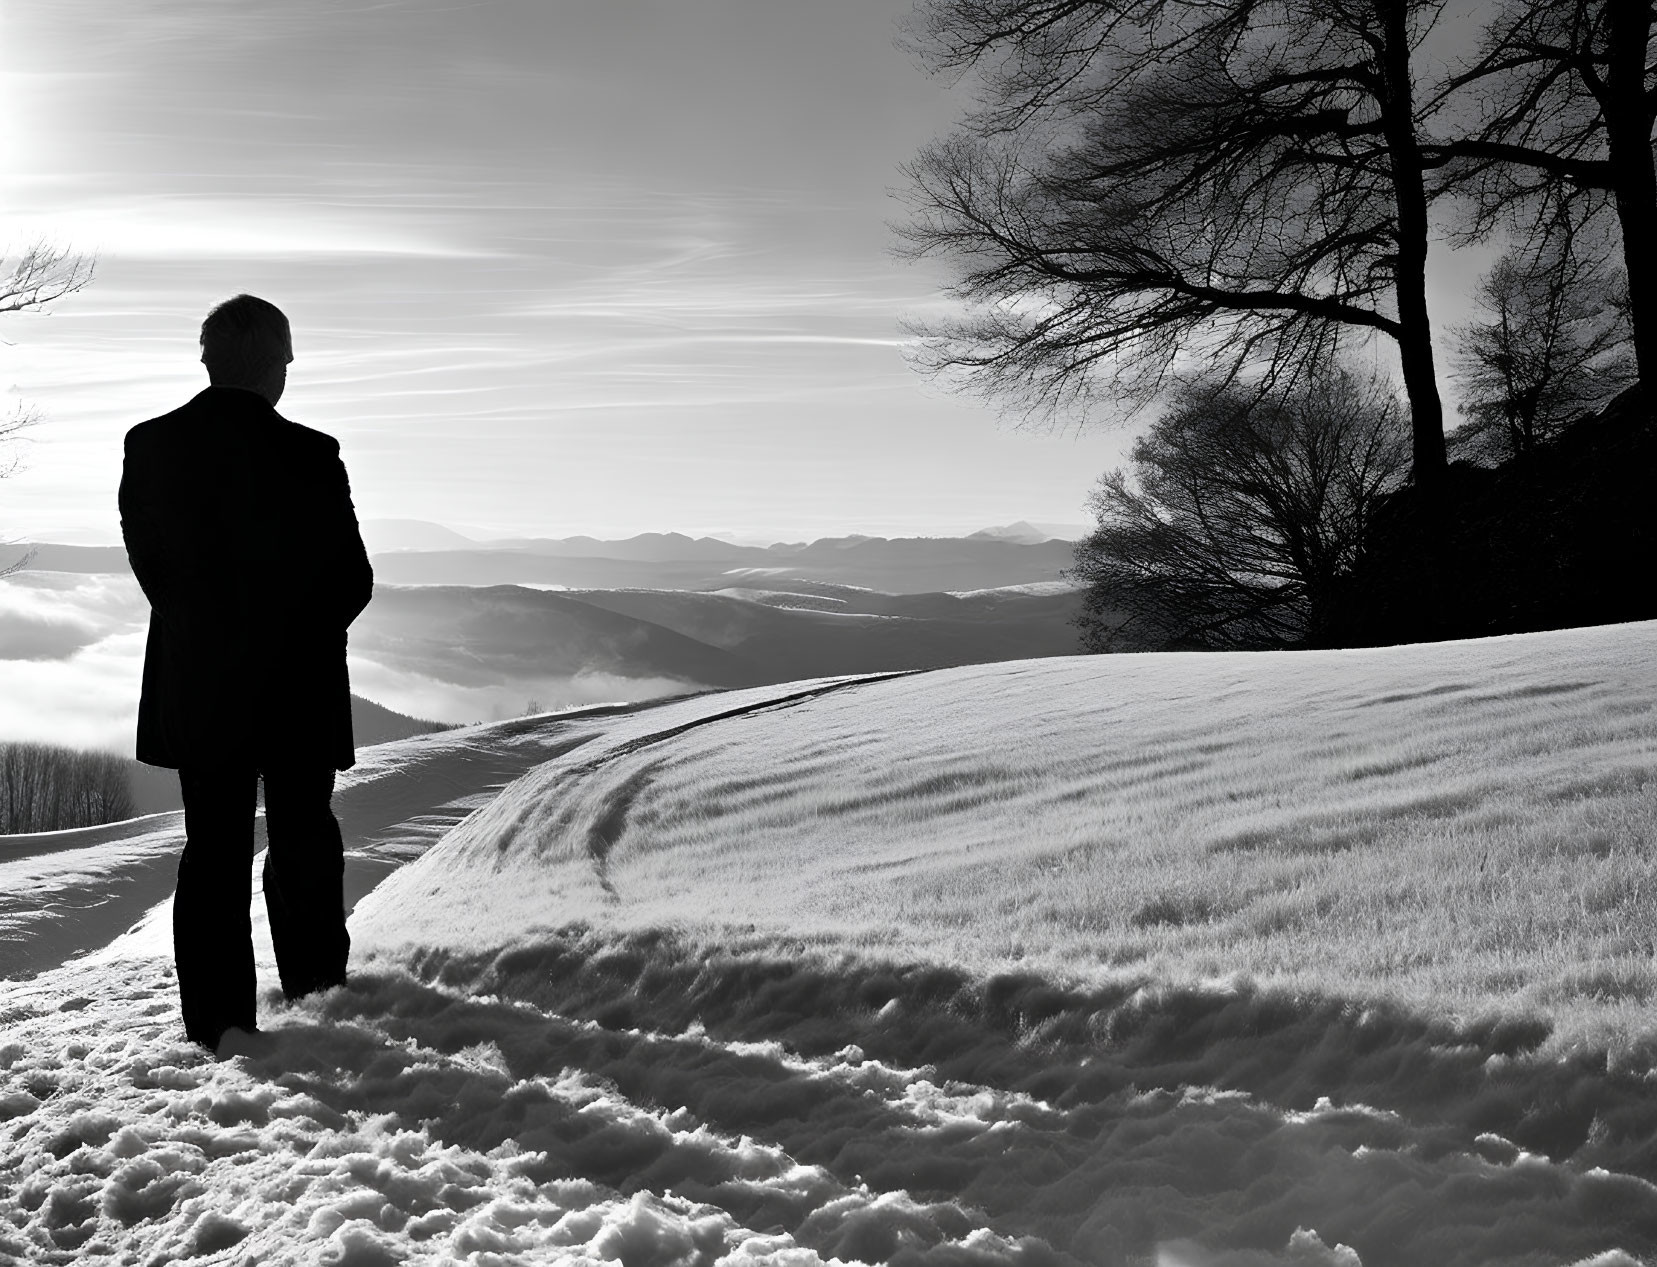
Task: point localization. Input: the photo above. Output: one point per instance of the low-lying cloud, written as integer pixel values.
(421, 695)
(88, 699)
(25, 637)
(72, 656)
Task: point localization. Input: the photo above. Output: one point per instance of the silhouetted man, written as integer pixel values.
(240, 528)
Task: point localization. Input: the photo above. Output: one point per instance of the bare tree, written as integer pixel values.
(20, 419)
(1241, 517)
(1559, 109)
(1154, 184)
(1554, 345)
(41, 275)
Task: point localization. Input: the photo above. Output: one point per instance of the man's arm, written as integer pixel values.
(354, 577)
(141, 525)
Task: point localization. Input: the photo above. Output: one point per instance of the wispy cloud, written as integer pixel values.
(232, 228)
(550, 267)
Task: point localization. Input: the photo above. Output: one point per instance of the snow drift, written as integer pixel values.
(1339, 959)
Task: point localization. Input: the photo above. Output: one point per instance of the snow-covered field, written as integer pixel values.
(1329, 958)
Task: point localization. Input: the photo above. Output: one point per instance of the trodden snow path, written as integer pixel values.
(66, 892)
(1119, 960)
(401, 1120)
(369, 1137)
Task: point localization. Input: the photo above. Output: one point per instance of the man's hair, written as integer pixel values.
(242, 339)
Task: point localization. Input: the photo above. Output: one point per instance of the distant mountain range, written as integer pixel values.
(422, 534)
(536, 645)
(412, 534)
(905, 565)
(1033, 534)
(48, 557)
(484, 631)
(471, 636)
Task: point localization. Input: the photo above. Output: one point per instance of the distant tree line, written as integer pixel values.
(44, 787)
(1220, 210)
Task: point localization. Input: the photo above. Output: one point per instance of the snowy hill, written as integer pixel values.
(1194, 814)
(513, 644)
(1323, 958)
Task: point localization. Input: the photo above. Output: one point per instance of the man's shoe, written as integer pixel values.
(298, 992)
(237, 1041)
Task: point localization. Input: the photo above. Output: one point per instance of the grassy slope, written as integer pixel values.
(668, 1095)
(1463, 828)
(857, 631)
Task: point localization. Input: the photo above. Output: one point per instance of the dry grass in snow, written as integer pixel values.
(1334, 960)
(1462, 828)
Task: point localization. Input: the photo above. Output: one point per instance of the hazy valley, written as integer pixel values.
(493, 631)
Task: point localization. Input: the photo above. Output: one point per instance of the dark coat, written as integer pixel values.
(240, 529)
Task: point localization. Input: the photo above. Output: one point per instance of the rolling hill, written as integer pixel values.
(1318, 959)
(476, 635)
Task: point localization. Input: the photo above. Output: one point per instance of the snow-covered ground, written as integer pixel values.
(1334, 958)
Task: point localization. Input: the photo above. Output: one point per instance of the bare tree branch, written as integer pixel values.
(42, 275)
(1146, 183)
(1561, 100)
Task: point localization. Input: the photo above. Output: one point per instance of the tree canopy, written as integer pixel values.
(1151, 186)
(1241, 517)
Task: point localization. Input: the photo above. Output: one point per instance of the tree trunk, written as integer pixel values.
(1415, 346)
(1634, 179)
(1429, 616)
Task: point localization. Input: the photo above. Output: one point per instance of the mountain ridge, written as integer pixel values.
(896, 565)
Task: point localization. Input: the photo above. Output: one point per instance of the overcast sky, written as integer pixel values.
(553, 266)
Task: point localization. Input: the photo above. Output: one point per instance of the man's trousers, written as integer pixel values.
(304, 891)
